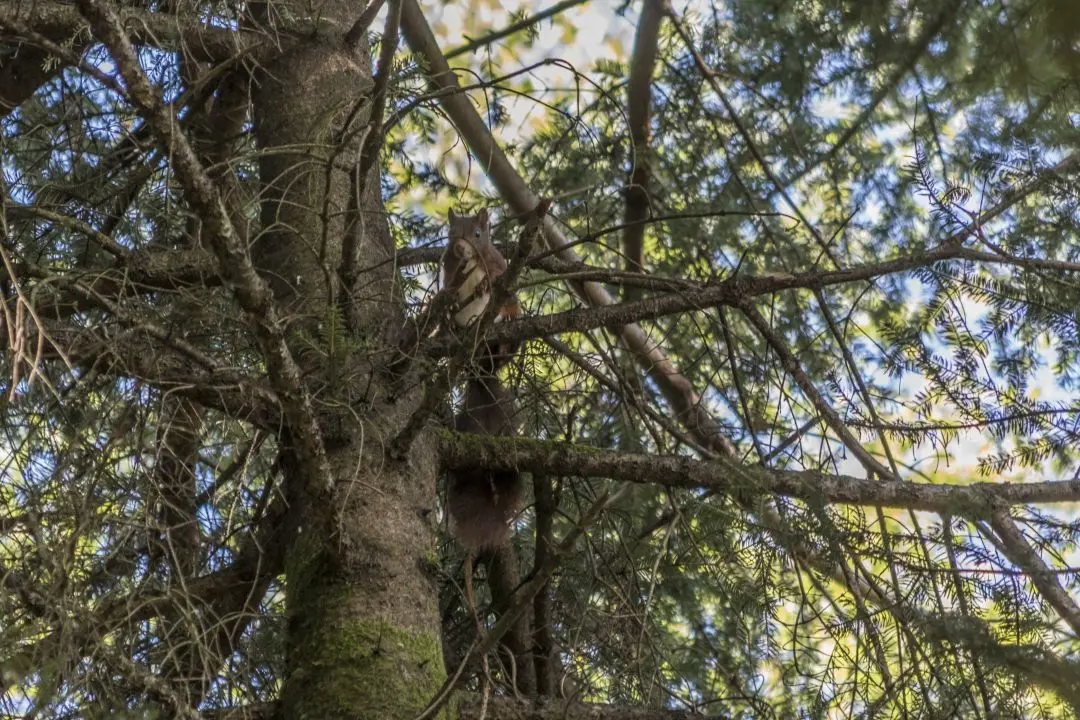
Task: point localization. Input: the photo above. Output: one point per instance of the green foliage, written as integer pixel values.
(864, 132)
(886, 127)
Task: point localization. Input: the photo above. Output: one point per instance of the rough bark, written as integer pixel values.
(362, 639)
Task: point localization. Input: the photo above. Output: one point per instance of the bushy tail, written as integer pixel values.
(482, 503)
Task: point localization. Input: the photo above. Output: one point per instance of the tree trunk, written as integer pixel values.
(363, 638)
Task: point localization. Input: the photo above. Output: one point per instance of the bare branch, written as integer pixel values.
(356, 32)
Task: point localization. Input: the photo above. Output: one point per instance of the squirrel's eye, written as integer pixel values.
(476, 232)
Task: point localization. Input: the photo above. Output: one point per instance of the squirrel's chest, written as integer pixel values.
(473, 284)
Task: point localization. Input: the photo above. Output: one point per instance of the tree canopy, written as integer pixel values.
(797, 396)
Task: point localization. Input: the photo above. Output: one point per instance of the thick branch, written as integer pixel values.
(733, 291)
(639, 101)
(976, 500)
(981, 500)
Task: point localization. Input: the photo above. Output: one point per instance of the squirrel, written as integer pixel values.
(482, 503)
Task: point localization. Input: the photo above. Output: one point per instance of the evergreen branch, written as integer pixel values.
(920, 426)
(1030, 662)
(1016, 547)
(620, 387)
(676, 389)
(388, 45)
(524, 595)
(143, 272)
(791, 364)
(128, 355)
(371, 148)
(234, 261)
(158, 29)
(887, 87)
(730, 477)
(474, 45)
(714, 83)
(733, 291)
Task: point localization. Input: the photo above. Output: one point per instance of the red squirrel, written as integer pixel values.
(482, 503)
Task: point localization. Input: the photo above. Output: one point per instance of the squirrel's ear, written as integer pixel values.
(450, 215)
(482, 217)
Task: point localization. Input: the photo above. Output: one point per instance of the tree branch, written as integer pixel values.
(685, 402)
(474, 45)
(976, 500)
(477, 335)
(356, 32)
(128, 355)
(234, 261)
(791, 365)
(168, 32)
(735, 290)
(639, 101)
(888, 86)
(26, 71)
(520, 709)
(1019, 551)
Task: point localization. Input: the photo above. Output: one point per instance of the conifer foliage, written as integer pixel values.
(797, 394)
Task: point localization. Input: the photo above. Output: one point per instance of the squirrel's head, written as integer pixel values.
(469, 233)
